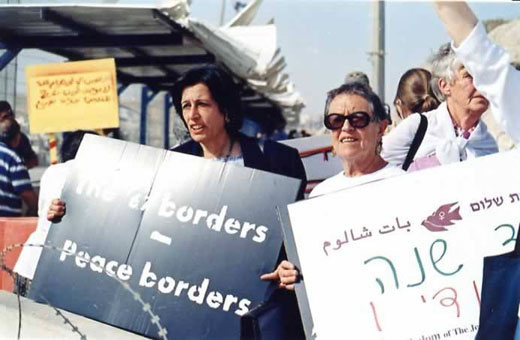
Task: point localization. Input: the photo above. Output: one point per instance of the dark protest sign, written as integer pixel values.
(190, 236)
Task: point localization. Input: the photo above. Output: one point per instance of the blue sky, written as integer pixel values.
(323, 40)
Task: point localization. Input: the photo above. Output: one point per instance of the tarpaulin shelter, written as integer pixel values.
(153, 45)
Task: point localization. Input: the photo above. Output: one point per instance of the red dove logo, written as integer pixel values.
(442, 218)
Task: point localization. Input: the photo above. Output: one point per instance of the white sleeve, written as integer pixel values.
(493, 75)
(397, 142)
(51, 186)
(43, 202)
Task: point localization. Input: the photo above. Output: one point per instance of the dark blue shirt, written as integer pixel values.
(14, 179)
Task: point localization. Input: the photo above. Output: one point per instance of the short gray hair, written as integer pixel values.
(357, 77)
(358, 89)
(444, 66)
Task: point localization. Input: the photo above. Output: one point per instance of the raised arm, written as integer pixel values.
(457, 17)
(488, 64)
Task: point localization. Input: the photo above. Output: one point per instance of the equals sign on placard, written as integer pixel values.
(157, 236)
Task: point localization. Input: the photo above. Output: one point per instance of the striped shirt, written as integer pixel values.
(14, 179)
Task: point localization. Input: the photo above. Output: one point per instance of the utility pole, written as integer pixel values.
(222, 12)
(378, 52)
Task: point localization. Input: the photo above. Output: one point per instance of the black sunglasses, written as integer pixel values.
(357, 120)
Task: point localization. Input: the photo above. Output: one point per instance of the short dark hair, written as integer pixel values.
(222, 88)
(9, 129)
(356, 88)
(71, 142)
(6, 107)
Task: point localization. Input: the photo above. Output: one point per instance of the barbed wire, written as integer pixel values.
(146, 307)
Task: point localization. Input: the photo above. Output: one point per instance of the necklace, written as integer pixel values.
(231, 143)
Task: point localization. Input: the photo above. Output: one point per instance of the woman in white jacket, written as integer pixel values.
(454, 132)
(488, 64)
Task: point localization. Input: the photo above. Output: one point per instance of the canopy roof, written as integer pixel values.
(153, 46)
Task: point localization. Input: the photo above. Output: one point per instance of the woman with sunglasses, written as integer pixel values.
(357, 121)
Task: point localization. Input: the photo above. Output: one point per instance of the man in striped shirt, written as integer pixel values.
(15, 184)
(23, 149)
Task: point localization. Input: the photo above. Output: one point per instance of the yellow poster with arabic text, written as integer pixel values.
(72, 95)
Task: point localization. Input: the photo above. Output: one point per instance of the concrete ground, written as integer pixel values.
(40, 321)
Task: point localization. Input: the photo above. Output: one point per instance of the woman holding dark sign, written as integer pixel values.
(208, 102)
(357, 120)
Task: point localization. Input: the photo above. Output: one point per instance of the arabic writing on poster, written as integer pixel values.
(72, 95)
(443, 217)
(410, 268)
(72, 89)
(365, 232)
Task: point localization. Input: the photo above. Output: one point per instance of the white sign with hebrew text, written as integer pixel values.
(401, 258)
